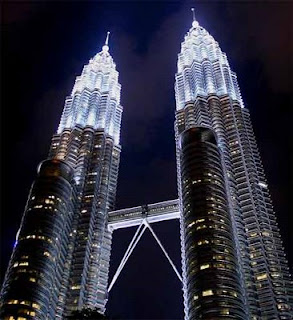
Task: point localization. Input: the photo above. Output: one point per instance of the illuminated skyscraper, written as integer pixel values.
(232, 257)
(208, 95)
(63, 247)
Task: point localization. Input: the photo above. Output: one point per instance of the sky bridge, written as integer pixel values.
(143, 216)
(156, 212)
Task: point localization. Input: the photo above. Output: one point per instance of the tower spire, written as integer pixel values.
(193, 14)
(106, 46)
(194, 22)
(107, 38)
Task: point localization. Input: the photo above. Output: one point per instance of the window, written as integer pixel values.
(47, 254)
(262, 276)
(12, 302)
(207, 293)
(203, 242)
(23, 264)
(225, 311)
(204, 266)
(36, 305)
(75, 287)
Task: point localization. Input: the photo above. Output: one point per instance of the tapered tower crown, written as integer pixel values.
(203, 68)
(95, 97)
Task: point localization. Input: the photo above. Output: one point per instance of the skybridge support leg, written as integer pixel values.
(138, 234)
(164, 251)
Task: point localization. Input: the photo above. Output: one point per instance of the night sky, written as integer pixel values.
(44, 47)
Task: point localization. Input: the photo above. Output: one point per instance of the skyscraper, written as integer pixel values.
(233, 261)
(208, 95)
(212, 286)
(63, 246)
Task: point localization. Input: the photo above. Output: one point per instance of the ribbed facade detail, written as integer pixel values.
(88, 139)
(95, 158)
(263, 269)
(96, 86)
(34, 276)
(213, 286)
(203, 69)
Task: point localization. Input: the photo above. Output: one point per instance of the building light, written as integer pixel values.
(225, 311)
(203, 226)
(207, 293)
(263, 185)
(36, 305)
(262, 276)
(204, 266)
(23, 263)
(191, 224)
(75, 287)
(266, 234)
(253, 234)
(203, 242)
(276, 275)
(283, 306)
(12, 302)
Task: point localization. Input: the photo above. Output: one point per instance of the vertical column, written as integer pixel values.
(212, 281)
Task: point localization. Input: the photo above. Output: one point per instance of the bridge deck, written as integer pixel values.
(155, 212)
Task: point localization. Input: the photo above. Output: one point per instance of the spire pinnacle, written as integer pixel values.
(106, 46)
(194, 22)
(107, 38)
(193, 14)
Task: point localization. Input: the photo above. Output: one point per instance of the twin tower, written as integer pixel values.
(233, 264)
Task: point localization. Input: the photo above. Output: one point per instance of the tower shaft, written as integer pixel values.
(87, 142)
(34, 276)
(211, 277)
(208, 95)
